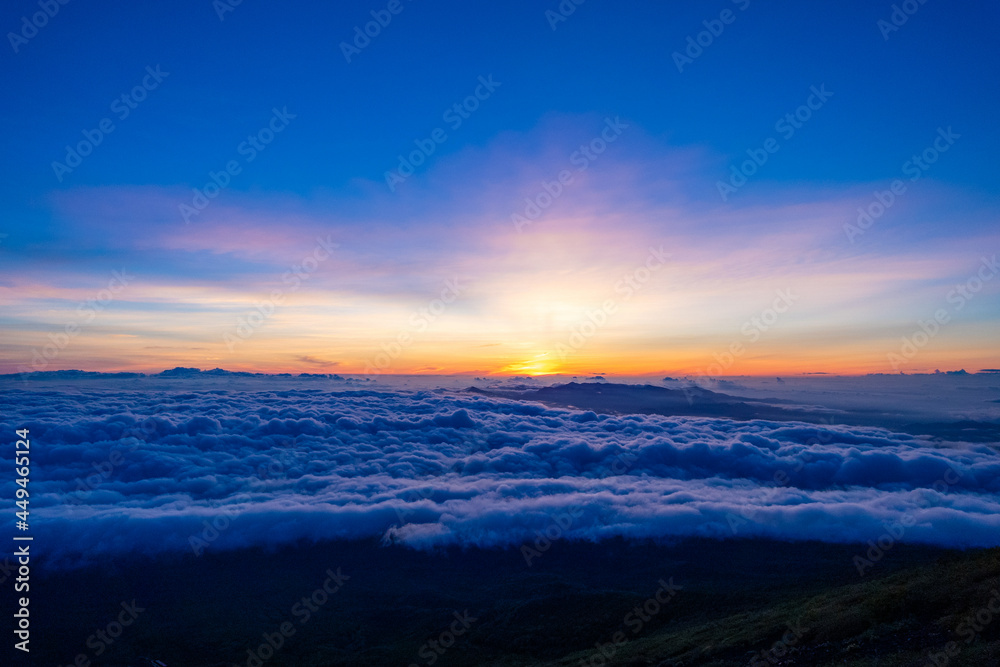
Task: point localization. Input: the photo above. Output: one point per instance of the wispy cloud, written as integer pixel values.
(525, 288)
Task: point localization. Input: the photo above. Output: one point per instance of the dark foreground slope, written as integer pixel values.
(700, 602)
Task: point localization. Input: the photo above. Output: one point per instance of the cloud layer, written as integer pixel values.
(117, 471)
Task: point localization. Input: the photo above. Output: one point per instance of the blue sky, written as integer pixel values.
(938, 69)
(325, 172)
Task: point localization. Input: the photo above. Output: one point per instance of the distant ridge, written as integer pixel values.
(178, 372)
(183, 372)
(608, 398)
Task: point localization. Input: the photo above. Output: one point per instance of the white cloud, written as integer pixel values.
(461, 468)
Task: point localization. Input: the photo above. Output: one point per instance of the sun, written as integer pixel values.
(540, 364)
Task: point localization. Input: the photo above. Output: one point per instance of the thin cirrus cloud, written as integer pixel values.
(521, 290)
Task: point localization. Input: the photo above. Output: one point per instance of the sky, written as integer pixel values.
(719, 188)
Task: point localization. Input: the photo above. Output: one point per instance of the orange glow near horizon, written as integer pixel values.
(615, 282)
(548, 364)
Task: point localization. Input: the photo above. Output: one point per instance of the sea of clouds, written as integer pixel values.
(114, 472)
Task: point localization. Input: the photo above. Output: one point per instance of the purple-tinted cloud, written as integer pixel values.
(117, 471)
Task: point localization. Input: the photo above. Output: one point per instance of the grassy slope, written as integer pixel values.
(736, 599)
(899, 619)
